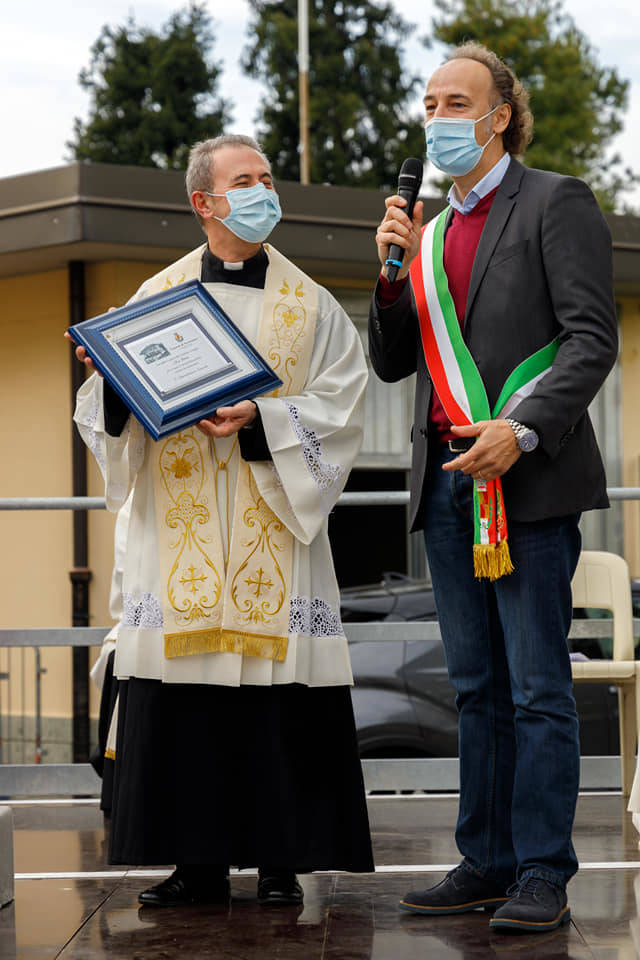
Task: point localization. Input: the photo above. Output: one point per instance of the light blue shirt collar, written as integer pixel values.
(488, 183)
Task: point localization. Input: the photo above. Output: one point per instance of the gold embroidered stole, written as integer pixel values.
(241, 606)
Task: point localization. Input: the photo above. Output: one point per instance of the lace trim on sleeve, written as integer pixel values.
(314, 617)
(144, 612)
(326, 475)
(311, 616)
(276, 476)
(90, 436)
(136, 439)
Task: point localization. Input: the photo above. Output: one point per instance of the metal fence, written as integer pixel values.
(381, 498)
(431, 774)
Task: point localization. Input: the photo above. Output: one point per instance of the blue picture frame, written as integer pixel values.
(174, 358)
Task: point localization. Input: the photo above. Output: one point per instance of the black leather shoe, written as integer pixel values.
(460, 892)
(534, 906)
(279, 888)
(174, 892)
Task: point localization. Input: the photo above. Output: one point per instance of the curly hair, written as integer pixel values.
(508, 89)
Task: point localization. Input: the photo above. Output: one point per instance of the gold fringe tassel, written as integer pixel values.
(225, 641)
(110, 754)
(491, 561)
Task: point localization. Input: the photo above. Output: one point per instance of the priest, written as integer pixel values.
(235, 740)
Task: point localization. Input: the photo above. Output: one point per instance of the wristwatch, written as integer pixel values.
(526, 438)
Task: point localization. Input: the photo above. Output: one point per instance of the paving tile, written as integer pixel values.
(401, 936)
(604, 830)
(345, 916)
(605, 905)
(60, 839)
(413, 831)
(46, 914)
(241, 930)
(8, 932)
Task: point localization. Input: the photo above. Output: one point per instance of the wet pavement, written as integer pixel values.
(71, 904)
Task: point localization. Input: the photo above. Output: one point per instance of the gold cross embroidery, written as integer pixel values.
(259, 583)
(192, 579)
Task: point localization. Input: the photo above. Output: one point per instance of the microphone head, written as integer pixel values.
(411, 174)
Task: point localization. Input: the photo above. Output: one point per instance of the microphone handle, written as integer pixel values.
(396, 252)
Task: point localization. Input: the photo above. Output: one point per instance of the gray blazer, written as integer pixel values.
(543, 268)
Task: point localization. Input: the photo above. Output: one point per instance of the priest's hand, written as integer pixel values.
(495, 450)
(396, 227)
(228, 420)
(83, 356)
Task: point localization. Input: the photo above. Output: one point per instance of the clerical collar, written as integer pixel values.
(250, 273)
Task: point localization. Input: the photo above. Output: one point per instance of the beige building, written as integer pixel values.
(79, 239)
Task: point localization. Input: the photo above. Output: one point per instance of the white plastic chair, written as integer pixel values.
(602, 581)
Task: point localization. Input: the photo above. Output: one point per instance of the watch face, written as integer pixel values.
(528, 441)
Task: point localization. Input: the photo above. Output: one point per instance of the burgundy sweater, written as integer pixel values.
(460, 245)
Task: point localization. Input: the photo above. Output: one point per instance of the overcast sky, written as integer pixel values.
(44, 45)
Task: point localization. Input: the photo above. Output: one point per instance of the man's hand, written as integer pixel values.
(396, 227)
(495, 450)
(83, 356)
(228, 420)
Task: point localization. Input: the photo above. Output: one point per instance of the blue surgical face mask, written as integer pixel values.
(253, 212)
(451, 143)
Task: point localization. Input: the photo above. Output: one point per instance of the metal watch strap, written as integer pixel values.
(518, 428)
(521, 432)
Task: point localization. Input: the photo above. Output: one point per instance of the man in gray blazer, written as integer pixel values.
(527, 258)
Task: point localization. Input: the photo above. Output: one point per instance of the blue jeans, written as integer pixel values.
(508, 660)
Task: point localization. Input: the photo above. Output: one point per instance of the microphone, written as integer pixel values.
(409, 183)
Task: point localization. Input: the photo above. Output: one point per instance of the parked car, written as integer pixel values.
(403, 701)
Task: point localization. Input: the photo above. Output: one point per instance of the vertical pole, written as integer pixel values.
(3, 676)
(80, 574)
(40, 670)
(303, 88)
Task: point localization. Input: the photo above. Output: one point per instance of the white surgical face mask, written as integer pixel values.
(451, 143)
(253, 212)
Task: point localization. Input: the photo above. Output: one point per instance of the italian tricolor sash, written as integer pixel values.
(462, 393)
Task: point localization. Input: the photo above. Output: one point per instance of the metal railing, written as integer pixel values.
(381, 498)
(434, 774)
(393, 774)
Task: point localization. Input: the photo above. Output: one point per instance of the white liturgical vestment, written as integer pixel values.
(313, 437)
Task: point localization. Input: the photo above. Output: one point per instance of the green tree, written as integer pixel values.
(577, 105)
(360, 126)
(152, 94)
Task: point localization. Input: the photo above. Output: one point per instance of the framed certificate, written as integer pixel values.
(174, 358)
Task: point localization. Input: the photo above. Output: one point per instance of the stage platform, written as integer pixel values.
(70, 904)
